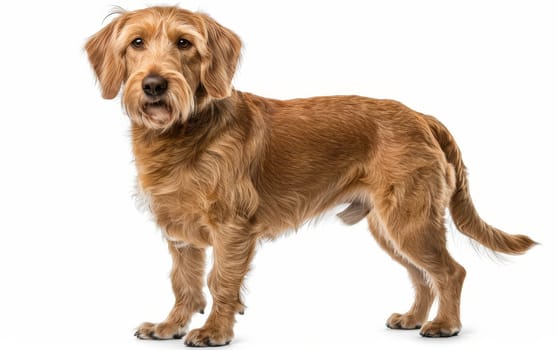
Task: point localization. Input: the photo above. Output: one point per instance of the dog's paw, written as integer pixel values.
(406, 321)
(208, 336)
(160, 331)
(436, 329)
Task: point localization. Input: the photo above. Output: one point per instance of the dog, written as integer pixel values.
(225, 168)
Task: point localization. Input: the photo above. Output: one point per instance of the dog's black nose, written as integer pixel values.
(154, 85)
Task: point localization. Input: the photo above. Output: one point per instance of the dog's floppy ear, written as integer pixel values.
(107, 62)
(221, 59)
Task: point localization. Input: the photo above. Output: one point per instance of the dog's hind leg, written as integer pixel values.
(187, 282)
(424, 295)
(412, 212)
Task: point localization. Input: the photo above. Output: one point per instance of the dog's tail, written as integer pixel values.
(462, 209)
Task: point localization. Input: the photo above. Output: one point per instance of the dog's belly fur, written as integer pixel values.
(286, 182)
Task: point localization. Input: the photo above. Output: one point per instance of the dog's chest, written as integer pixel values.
(178, 200)
(193, 183)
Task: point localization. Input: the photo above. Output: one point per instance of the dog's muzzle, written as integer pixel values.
(154, 87)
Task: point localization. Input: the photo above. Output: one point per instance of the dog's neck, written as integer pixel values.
(185, 141)
(227, 126)
(208, 118)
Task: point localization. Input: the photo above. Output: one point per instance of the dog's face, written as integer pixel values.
(171, 62)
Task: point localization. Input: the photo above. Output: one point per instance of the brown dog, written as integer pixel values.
(223, 168)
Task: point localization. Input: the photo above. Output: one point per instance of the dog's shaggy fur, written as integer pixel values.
(224, 168)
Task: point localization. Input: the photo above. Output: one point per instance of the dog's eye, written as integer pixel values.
(183, 44)
(137, 43)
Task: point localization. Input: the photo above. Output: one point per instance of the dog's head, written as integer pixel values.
(171, 62)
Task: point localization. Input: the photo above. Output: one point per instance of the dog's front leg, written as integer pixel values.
(233, 250)
(188, 267)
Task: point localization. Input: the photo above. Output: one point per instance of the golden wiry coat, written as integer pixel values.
(224, 168)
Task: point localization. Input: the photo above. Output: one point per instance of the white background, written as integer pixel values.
(80, 267)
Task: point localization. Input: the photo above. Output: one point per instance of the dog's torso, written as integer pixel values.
(278, 163)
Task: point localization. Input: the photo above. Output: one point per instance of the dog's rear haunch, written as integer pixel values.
(224, 168)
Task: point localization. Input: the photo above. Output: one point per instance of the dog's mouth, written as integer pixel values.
(158, 111)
